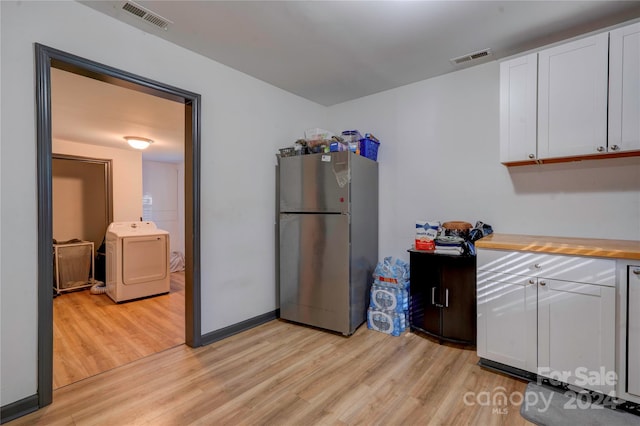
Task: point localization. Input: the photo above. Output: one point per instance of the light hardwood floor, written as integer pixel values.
(286, 374)
(92, 334)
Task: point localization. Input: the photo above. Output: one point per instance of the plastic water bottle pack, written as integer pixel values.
(389, 301)
(392, 323)
(389, 298)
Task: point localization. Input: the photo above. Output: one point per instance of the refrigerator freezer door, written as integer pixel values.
(314, 270)
(316, 183)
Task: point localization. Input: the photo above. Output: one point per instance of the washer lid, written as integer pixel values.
(128, 229)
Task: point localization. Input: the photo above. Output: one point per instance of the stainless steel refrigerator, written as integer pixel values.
(327, 238)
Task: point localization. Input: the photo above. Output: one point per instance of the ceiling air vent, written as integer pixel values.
(471, 56)
(146, 14)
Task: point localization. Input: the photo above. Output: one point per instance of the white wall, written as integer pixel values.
(439, 160)
(126, 175)
(244, 121)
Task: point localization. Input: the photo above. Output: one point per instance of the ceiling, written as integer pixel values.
(334, 51)
(98, 113)
(325, 51)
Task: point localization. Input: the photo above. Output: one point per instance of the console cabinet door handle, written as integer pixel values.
(433, 295)
(446, 298)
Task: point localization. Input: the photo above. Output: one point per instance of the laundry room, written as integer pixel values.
(118, 226)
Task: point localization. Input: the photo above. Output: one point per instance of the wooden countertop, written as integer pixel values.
(617, 249)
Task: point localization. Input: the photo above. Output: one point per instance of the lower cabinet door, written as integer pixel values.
(633, 331)
(507, 319)
(458, 299)
(576, 334)
(432, 320)
(425, 311)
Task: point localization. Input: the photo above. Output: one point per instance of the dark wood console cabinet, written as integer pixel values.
(443, 296)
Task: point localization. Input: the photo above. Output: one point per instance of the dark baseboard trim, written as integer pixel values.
(229, 331)
(18, 409)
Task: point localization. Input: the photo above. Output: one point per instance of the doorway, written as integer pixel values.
(47, 58)
(82, 198)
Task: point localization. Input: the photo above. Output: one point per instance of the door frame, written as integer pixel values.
(45, 58)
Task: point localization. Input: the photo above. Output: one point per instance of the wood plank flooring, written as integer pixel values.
(285, 374)
(92, 334)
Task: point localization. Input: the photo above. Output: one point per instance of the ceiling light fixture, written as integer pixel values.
(137, 142)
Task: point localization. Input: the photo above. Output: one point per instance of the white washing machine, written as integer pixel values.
(137, 255)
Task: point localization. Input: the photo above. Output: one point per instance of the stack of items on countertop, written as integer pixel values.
(452, 238)
(323, 141)
(389, 303)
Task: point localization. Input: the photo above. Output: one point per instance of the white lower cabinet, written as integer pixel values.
(629, 331)
(552, 315)
(633, 331)
(507, 320)
(576, 334)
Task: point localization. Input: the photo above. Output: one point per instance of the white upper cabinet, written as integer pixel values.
(518, 91)
(624, 89)
(576, 100)
(572, 98)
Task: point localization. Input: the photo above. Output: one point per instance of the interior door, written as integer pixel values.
(163, 196)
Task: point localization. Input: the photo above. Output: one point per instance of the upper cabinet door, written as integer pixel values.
(572, 98)
(518, 91)
(624, 89)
